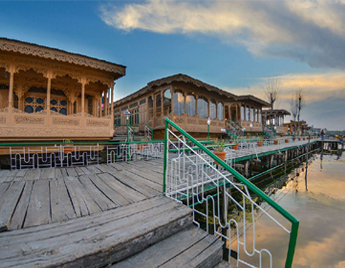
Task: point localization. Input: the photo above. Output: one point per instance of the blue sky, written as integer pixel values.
(234, 45)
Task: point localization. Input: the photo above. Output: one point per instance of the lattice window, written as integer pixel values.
(34, 104)
(59, 106)
(89, 105)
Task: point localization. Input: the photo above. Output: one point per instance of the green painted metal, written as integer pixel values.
(165, 155)
(196, 148)
(252, 187)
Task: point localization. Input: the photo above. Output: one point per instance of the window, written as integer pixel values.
(243, 113)
(89, 105)
(190, 105)
(167, 102)
(213, 109)
(252, 114)
(178, 103)
(158, 105)
(259, 115)
(134, 104)
(247, 113)
(150, 103)
(256, 119)
(220, 111)
(202, 107)
(117, 119)
(143, 101)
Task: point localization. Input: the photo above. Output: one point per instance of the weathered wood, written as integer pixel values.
(47, 173)
(33, 174)
(85, 170)
(82, 201)
(18, 217)
(105, 168)
(71, 172)
(3, 175)
(165, 250)
(102, 201)
(39, 208)
(130, 194)
(8, 203)
(156, 186)
(149, 175)
(137, 185)
(61, 204)
(3, 187)
(79, 171)
(10, 177)
(93, 169)
(113, 195)
(94, 242)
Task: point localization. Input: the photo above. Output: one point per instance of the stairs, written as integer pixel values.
(149, 233)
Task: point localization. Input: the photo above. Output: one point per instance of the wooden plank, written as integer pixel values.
(165, 250)
(58, 173)
(103, 202)
(47, 173)
(137, 185)
(71, 172)
(85, 170)
(156, 186)
(64, 172)
(18, 217)
(3, 175)
(119, 166)
(8, 202)
(93, 169)
(33, 174)
(39, 208)
(82, 201)
(52, 230)
(79, 171)
(10, 177)
(96, 244)
(61, 204)
(130, 194)
(105, 168)
(20, 175)
(113, 195)
(149, 175)
(3, 187)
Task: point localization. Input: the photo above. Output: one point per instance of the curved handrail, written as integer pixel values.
(252, 187)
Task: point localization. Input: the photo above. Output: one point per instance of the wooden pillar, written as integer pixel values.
(49, 84)
(83, 97)
(112, 103)
(100, 106)
(10, 92)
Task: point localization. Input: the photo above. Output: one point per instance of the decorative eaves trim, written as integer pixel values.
(59, 55)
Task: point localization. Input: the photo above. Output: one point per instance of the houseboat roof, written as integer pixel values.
(16, 46)
(275, 111)
(253, 99)
(173, 79)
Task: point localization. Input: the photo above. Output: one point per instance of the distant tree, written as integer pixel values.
(293, 110)
(300, 104)
(272, 90)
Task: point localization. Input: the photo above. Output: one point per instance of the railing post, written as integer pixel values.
(165, 156)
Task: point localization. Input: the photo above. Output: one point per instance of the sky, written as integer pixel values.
(233, 45)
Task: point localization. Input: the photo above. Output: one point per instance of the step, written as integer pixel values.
(97, 240)
(224, 264)
(191, 247)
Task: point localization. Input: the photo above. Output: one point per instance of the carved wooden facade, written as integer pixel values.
(189, 103)
(49, 94)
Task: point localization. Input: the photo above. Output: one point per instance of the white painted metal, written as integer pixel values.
(193, 177)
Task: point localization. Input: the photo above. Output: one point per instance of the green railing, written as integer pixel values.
(294, 222)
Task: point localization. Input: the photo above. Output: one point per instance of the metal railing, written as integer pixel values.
(190, 175)
(49, 154)
(148, 132)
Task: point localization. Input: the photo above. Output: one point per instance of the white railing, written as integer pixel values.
(54, 156)
(148, 133)
(191, 176)
(134, 151)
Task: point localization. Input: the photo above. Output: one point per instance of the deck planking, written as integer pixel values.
(34, 197)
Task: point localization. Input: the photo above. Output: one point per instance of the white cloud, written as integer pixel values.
(310, 30)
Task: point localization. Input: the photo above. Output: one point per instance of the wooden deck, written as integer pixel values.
(32, 197)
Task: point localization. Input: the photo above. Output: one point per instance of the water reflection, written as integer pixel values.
(319, 205)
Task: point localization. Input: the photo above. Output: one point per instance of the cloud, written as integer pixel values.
(324, 96)
(311, 31)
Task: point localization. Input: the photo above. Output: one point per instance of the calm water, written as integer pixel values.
(321, 211)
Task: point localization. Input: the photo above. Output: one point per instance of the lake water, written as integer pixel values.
(320, 208)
